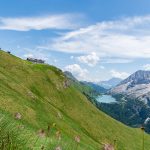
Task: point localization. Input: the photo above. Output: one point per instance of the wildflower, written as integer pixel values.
(58, 135)
(20, 127)
(58, 148)
(54, 125)
(30, 94)
(59, 115)
(48, 128)
(41, 133)
(18, 116)
(42, 147)
(108, 147)
(77, 139)
(31, 146)
(143, 129)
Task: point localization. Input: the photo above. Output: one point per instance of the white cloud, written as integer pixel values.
(55, 60)
(77, 71)
(91, 59)
(127, 38)
(71, 57)
(117, 74)
(63, 21)
(146, 67)
(102, 67)
(116, 60)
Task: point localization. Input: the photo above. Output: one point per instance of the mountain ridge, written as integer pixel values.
(139, 77)
(136, 86)
(110, 83)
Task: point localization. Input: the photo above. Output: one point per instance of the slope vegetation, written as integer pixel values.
(39, 108)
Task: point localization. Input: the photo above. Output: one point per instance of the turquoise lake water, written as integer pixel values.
(105, 99)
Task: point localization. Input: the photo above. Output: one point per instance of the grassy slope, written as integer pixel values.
(37, 92)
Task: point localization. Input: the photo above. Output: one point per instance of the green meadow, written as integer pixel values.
(38, 111)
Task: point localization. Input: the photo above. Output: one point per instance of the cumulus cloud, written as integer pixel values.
(63, 21)
(91, 59)
(118, 74)
(127, 38)
(77, 71)
(146, 67)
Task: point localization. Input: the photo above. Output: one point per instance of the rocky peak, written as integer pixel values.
(136, 85)
(139, 77)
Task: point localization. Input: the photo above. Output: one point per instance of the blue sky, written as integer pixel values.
(94, 39)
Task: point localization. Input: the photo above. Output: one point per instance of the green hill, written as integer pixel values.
(86, 89)
(39, 109)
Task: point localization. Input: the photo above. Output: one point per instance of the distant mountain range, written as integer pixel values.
(70, 76)
(84, 85)
(110, 83)
(96, 87)
(132, 96)
(136, 86)
(101, 86)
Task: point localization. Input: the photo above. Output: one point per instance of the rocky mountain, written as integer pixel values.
(99, 89)
(136, 86)
(92, 87)
(70, 76)
(110, 83)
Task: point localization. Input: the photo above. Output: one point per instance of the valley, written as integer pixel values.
(132, 106)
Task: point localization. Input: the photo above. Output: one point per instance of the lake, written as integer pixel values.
(105, 99)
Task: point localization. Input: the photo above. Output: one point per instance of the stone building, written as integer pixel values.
(40, 61)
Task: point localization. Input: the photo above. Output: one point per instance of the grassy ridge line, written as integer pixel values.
(37, 92)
